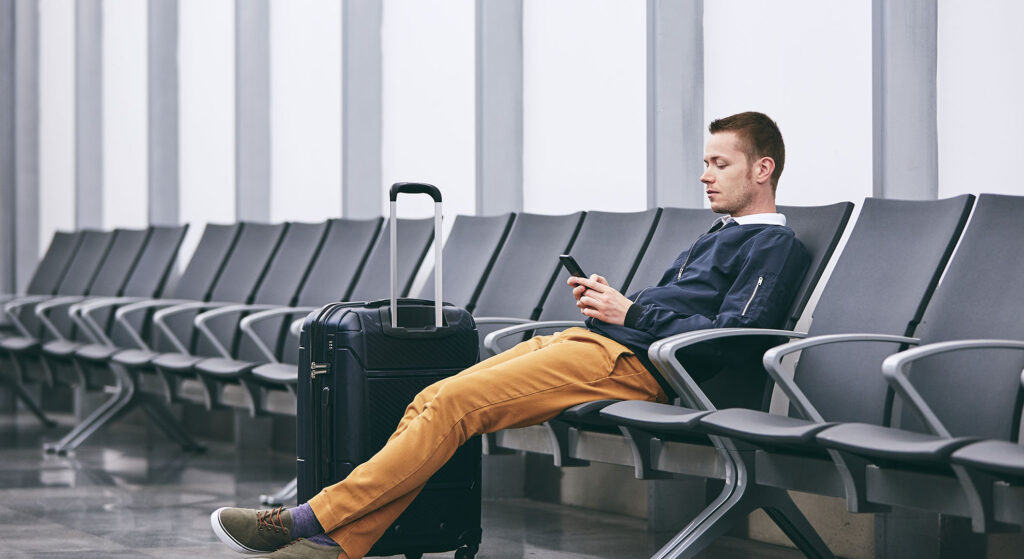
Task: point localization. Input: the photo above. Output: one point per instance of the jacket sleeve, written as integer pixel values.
(772, 268)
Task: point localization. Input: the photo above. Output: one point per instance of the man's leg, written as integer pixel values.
(526, 388)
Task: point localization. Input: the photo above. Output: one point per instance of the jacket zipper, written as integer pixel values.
(760, 279)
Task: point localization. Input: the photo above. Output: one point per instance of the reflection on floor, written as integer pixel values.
(122, 496)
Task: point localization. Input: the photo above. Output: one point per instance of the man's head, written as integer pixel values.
(744, 159)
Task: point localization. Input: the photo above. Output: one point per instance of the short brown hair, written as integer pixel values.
(759, 137)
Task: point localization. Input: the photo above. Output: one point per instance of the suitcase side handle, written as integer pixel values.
(416, 188)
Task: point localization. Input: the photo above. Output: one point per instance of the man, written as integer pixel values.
(741, 274)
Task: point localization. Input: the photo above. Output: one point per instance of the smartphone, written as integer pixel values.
(572, 265)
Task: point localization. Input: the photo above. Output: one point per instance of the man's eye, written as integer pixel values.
(720, 166)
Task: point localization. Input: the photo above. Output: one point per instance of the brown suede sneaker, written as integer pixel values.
(305, 549)
(252, 531)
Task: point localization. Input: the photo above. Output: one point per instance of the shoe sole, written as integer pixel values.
(225, 537)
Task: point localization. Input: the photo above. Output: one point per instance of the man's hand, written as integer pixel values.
(597, 299)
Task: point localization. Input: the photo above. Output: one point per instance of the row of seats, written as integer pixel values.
(850, 431)
(907, 391)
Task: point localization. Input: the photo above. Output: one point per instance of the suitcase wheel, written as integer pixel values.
(468, 552)
(413, 555)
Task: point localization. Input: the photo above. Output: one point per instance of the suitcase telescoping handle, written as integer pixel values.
(416, 188)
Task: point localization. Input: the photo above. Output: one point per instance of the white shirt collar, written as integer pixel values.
(761, 219)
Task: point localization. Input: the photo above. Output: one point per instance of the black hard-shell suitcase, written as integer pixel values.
(358, 370)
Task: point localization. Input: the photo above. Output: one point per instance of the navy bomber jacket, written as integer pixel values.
(740, 276)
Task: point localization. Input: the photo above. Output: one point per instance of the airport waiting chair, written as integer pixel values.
(146, 279)
(961, 384)
(19, 354)
(235, 282)
(882, 281)
(44, 282)
(131, 330)
(214, 329)
(48, 273)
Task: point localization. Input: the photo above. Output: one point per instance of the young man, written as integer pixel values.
(743, 273)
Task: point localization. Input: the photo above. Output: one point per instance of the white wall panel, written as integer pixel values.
(56, 118)
(980, 79)
(125, 114)
(305, 109)
(584, 106)
(807, 64)
(428, 102)
(206, 59)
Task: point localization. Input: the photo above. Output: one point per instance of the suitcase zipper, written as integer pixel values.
(316, 369)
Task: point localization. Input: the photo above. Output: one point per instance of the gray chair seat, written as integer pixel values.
(224, 368)
(653, 416)
(277, 373)
(762, 428)
(587, 412)
(894, 444)
(1003, 457)
(134, 357)
(95, 352)
(19, 344)
(176, 362)
(60, 348)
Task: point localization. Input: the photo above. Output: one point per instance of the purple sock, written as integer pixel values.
(304, 522)
(323, 539)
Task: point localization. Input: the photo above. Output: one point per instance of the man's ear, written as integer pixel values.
(763, 169)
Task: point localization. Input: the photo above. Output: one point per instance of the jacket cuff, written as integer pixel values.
(632, 316)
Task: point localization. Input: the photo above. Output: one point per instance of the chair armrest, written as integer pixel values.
(662, 354)
(202, 318)
(121, 316)
(11, 309)
(43, 309)
(81, 313)
(894, 368)
(491, 340)
(160, 320)
(773, 364)
(247, 326)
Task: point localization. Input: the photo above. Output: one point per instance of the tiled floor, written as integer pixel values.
(122, 496)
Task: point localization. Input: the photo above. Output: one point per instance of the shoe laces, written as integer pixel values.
(271, 520)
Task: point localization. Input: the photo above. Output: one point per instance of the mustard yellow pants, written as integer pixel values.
(526, 385)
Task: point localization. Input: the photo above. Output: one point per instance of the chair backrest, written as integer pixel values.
(339, 261)
(676, 230)
(469, 254)
(881, 283)
(247, 263)
(525, 268)
(609, 244)
(290, 264)
(209, 257)
(742, 382)
(50, 271)
(117, 266)
(150, 273)
(977, 393)
(414, 237)
(85, 263)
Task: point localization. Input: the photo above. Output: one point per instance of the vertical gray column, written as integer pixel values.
(499, 106)
(904, 59)
(164, 186)
(361, 173)
(7, 148)
(89, 113)
(675, 103)
(252, 110)
(26, 139)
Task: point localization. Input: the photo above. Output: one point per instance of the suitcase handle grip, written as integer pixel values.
(415, 188)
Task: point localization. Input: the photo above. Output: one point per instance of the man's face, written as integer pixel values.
(728, 177)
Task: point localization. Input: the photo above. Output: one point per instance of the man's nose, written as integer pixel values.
(706, 177)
